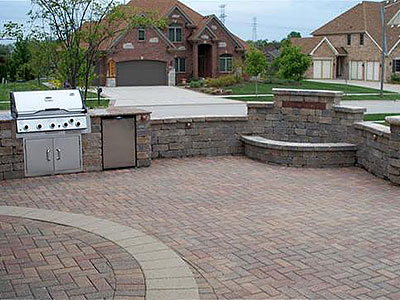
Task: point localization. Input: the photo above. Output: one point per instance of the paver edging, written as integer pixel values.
(177, 281)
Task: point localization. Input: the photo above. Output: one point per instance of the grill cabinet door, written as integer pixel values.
(39, 159)
(67, 154)
(119, 150)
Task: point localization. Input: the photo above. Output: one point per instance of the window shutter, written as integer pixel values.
(394, 66)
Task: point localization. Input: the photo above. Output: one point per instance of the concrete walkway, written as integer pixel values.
(375, 106)
(174, 102)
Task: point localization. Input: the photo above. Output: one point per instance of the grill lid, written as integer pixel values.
(29, 103)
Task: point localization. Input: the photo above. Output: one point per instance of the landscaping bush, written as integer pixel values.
(196, 84)
(222, 81)
(395, 78)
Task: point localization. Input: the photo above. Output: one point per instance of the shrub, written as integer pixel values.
(395, 78)
(222, 81)
(196, 84)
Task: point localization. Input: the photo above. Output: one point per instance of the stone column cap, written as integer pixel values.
(393, 120)
(299, 92)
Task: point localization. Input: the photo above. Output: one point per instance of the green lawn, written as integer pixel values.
(378, 117)
(5, 90)
(248, 88)
(366, 97)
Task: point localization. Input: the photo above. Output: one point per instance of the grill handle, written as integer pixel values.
(58, 154)
(48, 154)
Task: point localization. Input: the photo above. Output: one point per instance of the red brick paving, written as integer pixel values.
(252, 231)
(40, 260)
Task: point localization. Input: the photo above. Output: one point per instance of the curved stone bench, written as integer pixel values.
(309, 155)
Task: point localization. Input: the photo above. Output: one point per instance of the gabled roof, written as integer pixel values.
(307, 45)
(365, 17)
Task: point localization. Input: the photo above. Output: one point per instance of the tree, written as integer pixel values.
(82, 27)
(294, 34)
(259, 44)
(292, 63)
(18, 63)
(44, 59)
(256, 64)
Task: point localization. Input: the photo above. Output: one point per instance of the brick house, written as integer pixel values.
(350, 46)
(192, 46)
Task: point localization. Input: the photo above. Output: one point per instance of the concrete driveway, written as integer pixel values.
(171, 102)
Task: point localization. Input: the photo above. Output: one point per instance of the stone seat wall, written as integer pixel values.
(313, 155)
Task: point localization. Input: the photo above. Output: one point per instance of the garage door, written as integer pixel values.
(372, 70)
(322, 69)
(356, 70)
(141, 73)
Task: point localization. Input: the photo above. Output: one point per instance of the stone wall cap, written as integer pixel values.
(393, 120)
(118, 111)
(5, 116)
(262, 142)
(378, 129)
(300, 92)
(349, 109)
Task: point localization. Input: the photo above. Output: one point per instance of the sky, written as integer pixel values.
(275, 18)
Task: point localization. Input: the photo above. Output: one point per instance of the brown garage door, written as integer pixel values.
(141, 73)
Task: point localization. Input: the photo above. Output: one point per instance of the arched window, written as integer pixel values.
(225, 63)
(111, 72)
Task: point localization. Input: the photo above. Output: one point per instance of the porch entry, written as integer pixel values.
(205, 60)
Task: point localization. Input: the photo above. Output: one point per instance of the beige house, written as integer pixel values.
(350, 46)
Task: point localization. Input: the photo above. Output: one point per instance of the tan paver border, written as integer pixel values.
(167, 276)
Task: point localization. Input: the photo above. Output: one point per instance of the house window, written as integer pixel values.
(396, 65)
(142, 34)
(180, 65)
(225, 63)
(111, 73)
(348, 39)
(361, 39)
(175, 33)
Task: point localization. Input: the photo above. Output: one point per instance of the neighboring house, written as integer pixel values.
(192, 46)
(271, 51)
(350, 46)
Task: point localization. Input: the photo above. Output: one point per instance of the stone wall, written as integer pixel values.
(394, 150)
(187, 137)
(305, 116)
(372, 141)
(11, 152)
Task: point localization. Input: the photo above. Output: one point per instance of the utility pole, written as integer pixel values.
(384, 48)
(255, 29)
(222, 15)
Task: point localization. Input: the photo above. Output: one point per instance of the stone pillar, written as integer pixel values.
(195, 60)
(394, 149)
(214, 58)
(143, 133)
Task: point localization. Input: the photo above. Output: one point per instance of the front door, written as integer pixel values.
(205, 61)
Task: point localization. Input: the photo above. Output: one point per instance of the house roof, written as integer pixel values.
(162, 8)
(365, 17)
(307, 45)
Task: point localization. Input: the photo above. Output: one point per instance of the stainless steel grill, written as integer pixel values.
(49, 111)
(51, 124)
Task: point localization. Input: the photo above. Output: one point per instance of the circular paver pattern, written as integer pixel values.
(41, 260)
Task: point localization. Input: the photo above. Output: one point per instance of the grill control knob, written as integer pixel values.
(78, 124)
(71, 120)
(26, 127)
(52, 125)
(39, 126)
(65, 124)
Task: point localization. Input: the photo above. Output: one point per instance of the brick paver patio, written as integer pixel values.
(249, 230)
(40, 260)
